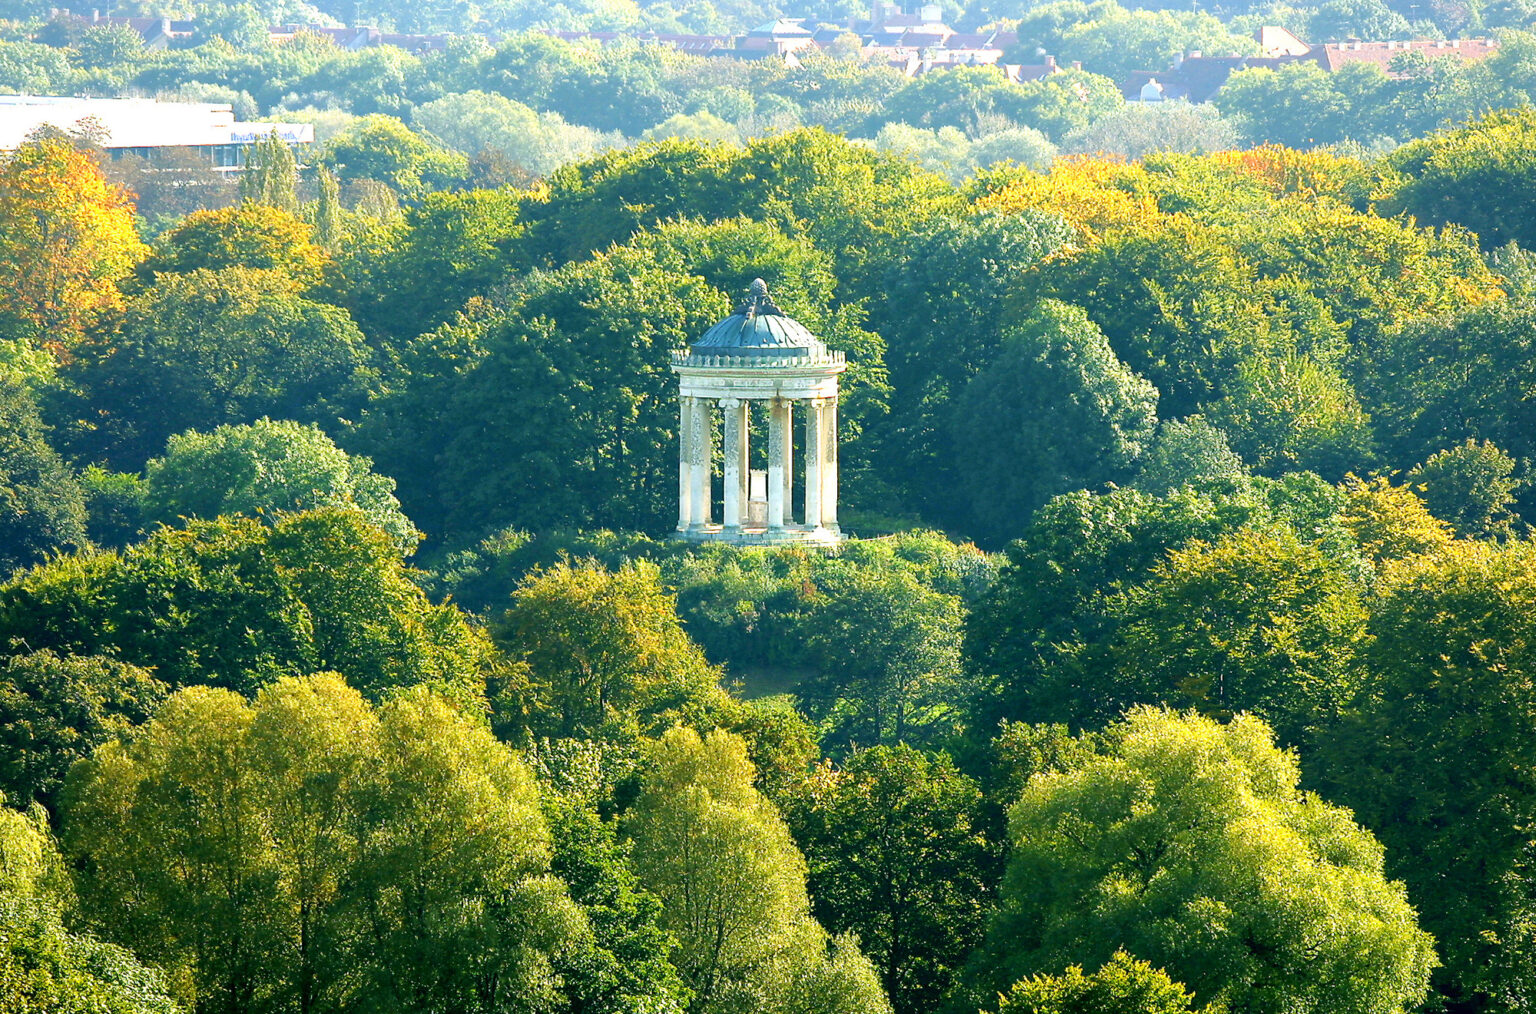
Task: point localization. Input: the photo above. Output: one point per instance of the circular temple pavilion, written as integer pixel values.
(758, 356)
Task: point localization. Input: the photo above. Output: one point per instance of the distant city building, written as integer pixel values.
(912, 43)
(1333, 55)
(157, 33)
(1196, 77)
(145, 127)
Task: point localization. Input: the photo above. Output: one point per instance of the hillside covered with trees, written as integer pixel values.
(1184, 660)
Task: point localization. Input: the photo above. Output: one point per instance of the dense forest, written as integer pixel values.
(1184, 659)
(510, 107)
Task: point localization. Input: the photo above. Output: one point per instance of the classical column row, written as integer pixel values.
(696, 448)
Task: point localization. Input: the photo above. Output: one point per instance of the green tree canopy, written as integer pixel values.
(1292, 414)
(198, 350)
(54, 709)
(1432, 759)
(45, 967)
(732, 888)
(313, 851)
(565, 411)
(1179, 306)
(265, 468)
(249, 235)
(1188, 452)
(236, 603)
(446, 250)
(1258, 621)
(1457, 377)
(381, 148)
(850, 201)
(42, 507)
(941, 313)
(1471, 486)
(270, 173)
(886, 655)
(606, 655)
(1122, 986)
(1058, 587)
(896, 856)
(1055, 411)
(1188, 842)
(1479, 176)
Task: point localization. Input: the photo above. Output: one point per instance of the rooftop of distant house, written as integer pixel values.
(912, 42)
(1196, 77)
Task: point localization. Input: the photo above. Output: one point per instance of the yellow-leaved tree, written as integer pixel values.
(66, 237)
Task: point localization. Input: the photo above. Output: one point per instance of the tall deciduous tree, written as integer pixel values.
(1434, 762)
(1471, 486)
(264, 468)
(54, 709)
(45, 967)
(1188, 452)
(448, 249)
(42, 507)
(66, 238)
(381, 148)
(1189, 845)
(309, 853)
(732, 888)
(1290, 414)
(250, 235)
(1057, 590)
(1479, 176)
(606, 654)
(1056, 411)
(568, 411)
(1258, 621)
(1457, 377)
(1178, 304)
(886, 651)
(236, 603)
(941, 313)
(896, 856)
(270, 173)
(198, 350)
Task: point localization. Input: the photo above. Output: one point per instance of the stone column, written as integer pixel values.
(735, 454)
(829, 464)
(684, 463)
(778, 437)
(701, 447)
(814, 483)
(789, 460)
(744, 459)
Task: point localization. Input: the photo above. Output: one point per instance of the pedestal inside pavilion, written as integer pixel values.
(758, 359)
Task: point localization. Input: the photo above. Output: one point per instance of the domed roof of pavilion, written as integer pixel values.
(759, 328)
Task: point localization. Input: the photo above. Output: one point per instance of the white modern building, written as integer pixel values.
(758, 356)
(144, 127)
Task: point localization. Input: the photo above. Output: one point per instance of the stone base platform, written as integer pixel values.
(761, 535)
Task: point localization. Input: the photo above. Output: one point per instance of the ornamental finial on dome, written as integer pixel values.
(758, 303)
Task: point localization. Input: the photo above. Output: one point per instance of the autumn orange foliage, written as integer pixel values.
(1099, 197)
(66, 237)
(1307, 174)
